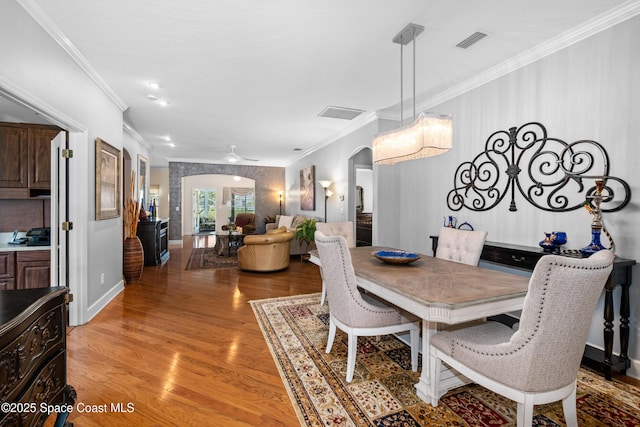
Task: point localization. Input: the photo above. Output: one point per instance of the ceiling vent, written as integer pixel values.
(340, 113)
(471, 40)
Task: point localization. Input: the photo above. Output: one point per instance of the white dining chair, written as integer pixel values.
(344, 229)
(539, 362)
(355, 313)
(460, 245)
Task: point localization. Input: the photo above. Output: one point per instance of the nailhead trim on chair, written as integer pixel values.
(540, 309)
(344, 272)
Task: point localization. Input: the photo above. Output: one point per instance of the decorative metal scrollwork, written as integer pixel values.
(553, 179)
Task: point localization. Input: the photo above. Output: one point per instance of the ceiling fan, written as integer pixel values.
(233, 157)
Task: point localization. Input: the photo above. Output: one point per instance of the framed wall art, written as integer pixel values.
(307, 188)
(143, 177)
(107, 181)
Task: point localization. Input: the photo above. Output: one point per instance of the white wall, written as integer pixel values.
(35, 68)
(160, 177)
(587, 91)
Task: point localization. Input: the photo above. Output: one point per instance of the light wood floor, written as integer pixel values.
(184, 348)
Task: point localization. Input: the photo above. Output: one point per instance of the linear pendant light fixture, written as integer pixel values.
(429, 134)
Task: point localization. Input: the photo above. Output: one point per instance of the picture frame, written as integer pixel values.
(307, 188)
(143, 177)
(107, 180)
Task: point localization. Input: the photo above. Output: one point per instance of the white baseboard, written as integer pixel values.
(96, 307)
(175, 242)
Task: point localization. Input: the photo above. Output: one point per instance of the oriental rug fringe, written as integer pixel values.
(382, 392)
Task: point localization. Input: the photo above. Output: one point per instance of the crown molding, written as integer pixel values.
(135, 135)
(45, 21)
(589, 28)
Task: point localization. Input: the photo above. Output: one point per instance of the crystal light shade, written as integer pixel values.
(429, 135)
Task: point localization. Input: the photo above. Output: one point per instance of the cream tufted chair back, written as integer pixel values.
(344, 229)
(460, 245)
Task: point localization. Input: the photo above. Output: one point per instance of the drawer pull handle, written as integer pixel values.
(513, 257)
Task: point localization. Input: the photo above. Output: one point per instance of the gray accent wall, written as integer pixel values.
(268, 180)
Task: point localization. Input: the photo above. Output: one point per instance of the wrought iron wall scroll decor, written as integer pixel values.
(553, 176)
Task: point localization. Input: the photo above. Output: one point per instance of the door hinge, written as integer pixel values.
(67, 226)
(67, 153)
(68, 297)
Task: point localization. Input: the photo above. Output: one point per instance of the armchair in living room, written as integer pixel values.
(265, 252)
(246, 221)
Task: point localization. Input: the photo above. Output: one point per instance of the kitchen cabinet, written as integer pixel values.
(7, 270)
(33, 269)
(25, 160)
(25, 269)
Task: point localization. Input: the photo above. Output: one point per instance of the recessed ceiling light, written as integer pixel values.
(171, 144)
(162, 102)
(153, 85)
(166, 137)
(152, 97)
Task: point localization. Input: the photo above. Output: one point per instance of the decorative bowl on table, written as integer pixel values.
(396, 257)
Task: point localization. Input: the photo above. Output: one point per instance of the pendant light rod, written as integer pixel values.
(404, 37)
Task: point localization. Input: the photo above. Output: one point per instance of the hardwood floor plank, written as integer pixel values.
(185, 348)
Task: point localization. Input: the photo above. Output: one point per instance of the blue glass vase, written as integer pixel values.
(595, 244)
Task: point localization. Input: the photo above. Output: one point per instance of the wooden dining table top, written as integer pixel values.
(435, 281)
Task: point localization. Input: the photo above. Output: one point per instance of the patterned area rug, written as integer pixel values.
(382, 392)
(202, 258)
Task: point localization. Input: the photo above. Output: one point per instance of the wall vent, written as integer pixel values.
(340, 113)
(471, 40)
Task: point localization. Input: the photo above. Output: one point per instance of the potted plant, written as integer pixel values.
(305, 232)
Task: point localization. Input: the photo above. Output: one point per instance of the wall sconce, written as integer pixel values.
(327, 193)
(280, 195)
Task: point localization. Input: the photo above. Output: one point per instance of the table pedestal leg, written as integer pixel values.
(449, 378)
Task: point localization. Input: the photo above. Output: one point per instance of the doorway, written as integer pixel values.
(361, 192)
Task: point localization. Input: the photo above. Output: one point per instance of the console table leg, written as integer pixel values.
(608, 332)
(624, 325)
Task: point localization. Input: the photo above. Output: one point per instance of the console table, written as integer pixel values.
(525, 258)
(33, 358)
(155, 240)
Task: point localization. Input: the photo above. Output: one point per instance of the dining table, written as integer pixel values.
(440, 293)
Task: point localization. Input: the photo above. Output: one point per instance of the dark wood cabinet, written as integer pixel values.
(25, 270)
(25, 160)
(14, 151)
(33, 358)
(7, 270)
(33, 269)
(155, 240)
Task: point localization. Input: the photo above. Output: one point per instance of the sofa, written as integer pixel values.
(245, 220)
(265, 252)
(290, 223)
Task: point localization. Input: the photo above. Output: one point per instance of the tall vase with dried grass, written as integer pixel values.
(133, 252)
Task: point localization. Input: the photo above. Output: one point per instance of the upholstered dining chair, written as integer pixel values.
(355, 313)
(539, 362)
(344, 229)
(463, 246)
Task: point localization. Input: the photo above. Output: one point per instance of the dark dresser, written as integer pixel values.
(155, 240)
(33, 358)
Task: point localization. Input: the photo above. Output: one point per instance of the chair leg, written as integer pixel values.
(434, 373)
(414, 336)
(332, 335)
(569, 407)
(351, 355)
(323, 298)
(524, 412)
